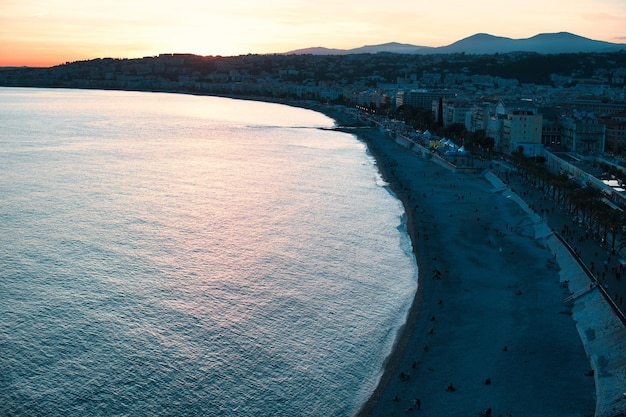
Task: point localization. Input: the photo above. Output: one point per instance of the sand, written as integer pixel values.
(489, 315)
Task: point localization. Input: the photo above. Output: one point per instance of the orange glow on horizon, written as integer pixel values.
(30, 59)
(42, 33)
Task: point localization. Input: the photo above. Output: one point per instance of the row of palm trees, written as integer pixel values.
(584, 202)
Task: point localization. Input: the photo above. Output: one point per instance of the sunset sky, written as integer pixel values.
(51, 32)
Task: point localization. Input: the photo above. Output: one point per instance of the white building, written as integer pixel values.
(522, 130)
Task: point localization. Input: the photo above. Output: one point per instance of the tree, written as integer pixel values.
(454, 131)
(613, 221)
(586, 200)
(418, 118)
(559, 186)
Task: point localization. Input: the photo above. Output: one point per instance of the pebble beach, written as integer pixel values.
(506, 321)
(489, 333)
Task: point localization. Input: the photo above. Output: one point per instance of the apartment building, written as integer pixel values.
(421, 98)
(615, 135)
(551, 130)
(453, 111)
(522, 130)
(583, 133)
(480, 114)
(514, 125)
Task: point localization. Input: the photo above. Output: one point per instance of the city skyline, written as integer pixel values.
(47, 33)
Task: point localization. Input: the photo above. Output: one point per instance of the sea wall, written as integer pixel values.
(602, 333)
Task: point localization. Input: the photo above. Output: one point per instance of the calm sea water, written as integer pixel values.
(174, 255)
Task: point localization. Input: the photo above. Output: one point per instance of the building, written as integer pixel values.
(420, 98)
(494, 130)
(453, 111)
(516, 125)
(479, 116)
(551, 130)
(615, 135)
(583, 133)
(522, 130)
(598, 105)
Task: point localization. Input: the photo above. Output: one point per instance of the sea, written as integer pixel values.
(179, 255)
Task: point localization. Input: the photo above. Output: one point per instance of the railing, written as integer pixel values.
(618, 312)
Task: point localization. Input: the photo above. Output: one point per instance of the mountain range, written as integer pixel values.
(483, 44)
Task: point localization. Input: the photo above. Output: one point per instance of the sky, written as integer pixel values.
(52, 32)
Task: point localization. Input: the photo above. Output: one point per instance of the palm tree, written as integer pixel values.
(559, 185)
(598, 214)
(614, 222)
(586, 200)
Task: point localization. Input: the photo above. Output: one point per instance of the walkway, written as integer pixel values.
(597, 286)
(599, 260)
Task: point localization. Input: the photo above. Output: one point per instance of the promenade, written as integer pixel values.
(594, 272)
(601, 262)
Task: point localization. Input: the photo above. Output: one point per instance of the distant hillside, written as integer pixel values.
(485, 44)
(545, 43)
(392, 47)
(318, 50)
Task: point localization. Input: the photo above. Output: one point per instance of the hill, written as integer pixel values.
(484, 44)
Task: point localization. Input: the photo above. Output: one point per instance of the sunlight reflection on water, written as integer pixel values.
(179, 255)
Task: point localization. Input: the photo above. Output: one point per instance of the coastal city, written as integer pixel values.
(567, 110)
(313, 209)
(572, 102)
(547, 129)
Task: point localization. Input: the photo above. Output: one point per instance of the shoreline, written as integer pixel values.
(571, 356)
(563, 382)
(433, 197)
(409, 383)
(409, 356)
(392, 362)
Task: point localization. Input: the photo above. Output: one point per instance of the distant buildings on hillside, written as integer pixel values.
(581, 111)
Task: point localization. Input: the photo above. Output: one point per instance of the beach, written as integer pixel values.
(489, 330)
(505, 320)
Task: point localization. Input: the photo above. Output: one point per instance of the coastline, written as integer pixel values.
(432, 234)
(463, 316)
(393, 361)
(569, 357)
(550, 372)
